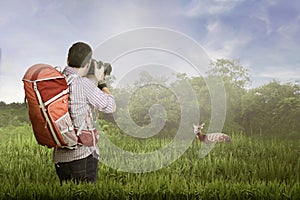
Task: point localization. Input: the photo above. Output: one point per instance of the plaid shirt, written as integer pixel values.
(84, 96)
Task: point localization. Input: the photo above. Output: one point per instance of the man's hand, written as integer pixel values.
(102, 86)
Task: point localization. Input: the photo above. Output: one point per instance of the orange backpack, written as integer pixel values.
(47, 92)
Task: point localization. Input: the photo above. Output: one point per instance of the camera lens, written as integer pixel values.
(107, 69)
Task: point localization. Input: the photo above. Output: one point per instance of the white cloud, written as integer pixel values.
(197, 8)
(222, 41)
(290, 31)
(283, 73)
(265, 19)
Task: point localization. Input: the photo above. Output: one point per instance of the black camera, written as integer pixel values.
(99, 64)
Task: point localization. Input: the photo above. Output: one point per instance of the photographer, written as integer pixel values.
(81, 164)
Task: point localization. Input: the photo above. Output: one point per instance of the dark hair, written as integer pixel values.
(79, 55)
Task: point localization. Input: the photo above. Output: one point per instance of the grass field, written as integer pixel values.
(248, 168)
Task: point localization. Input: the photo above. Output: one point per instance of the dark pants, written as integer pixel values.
(83, 170)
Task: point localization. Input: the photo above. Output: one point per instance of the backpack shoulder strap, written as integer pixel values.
(70, 78)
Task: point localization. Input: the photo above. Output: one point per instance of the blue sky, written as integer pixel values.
(263, 34)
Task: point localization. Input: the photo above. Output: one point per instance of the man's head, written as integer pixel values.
(79, 55)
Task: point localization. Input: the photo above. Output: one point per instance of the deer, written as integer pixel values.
(210, 137)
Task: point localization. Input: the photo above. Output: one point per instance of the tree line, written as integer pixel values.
(14, 114)
(273, 108)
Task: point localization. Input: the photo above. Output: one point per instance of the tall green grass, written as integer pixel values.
(248, 168)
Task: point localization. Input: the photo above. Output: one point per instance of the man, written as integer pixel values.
(81, 164)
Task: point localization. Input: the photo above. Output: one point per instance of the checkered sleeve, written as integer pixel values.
(98, 99)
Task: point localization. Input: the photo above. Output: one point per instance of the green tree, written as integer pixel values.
(235, 78)
(272, 108)
(138, 99)
(200, 87)
(13, 114)
(231, 71)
